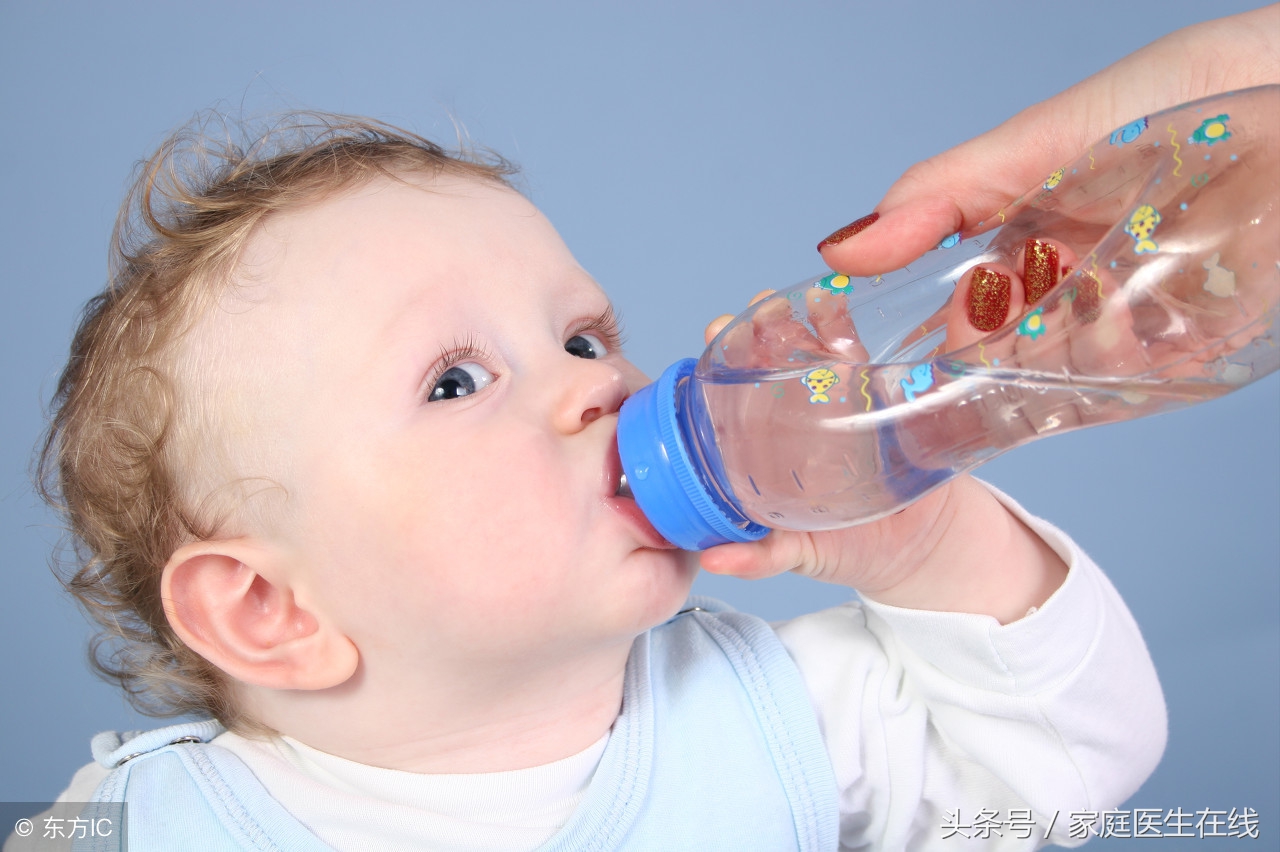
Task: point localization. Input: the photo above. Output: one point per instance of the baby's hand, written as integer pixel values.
(957, 549)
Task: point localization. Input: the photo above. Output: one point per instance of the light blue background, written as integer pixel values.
(691, 154)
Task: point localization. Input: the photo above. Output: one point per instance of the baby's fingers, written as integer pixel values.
(717, 325)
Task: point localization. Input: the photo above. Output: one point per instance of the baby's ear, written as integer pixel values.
(231, 603)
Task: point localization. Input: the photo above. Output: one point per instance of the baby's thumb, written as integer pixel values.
(744, 560)
(778, 552)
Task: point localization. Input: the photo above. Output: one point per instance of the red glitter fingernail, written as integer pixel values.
(1068, 296)
(852, 229)
(1087, 305)
(1040, 269)
(988, 301)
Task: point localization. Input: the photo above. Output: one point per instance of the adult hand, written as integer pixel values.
(968, 184)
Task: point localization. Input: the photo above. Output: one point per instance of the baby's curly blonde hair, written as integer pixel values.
(118, 456)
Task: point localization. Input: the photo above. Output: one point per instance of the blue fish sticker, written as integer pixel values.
(1128, 133)
(921, 381)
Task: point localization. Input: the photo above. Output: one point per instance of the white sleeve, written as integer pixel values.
(942, 725)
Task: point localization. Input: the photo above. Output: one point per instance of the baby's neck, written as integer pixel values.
(476, 724)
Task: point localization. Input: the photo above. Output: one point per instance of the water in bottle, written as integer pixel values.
(838, 401)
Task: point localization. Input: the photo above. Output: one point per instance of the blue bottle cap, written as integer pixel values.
(662, 475)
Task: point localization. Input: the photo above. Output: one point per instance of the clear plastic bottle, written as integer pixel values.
(835, 402)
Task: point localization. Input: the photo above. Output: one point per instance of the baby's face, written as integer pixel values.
(441, 381)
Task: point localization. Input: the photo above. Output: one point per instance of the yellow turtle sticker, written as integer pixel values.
(1211, 131)
(835, 283)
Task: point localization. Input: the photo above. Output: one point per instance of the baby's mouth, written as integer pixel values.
(624, 489)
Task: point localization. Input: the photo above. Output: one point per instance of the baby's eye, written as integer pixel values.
(460, 380)
(586, 346)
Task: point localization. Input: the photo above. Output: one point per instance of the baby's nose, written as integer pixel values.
(594, 390)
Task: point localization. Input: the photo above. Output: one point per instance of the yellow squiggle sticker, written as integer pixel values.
(982, 354)
(1173, 140)
(1096, 276)
(866, 380)
(1091, 158)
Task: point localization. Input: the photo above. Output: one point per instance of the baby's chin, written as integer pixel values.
(685, 565)
(658, 587)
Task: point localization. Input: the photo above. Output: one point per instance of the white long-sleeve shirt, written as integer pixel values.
(939, 719)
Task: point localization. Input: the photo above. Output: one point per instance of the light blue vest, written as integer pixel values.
(716, 748)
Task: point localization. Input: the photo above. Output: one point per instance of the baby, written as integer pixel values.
(338, 443)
